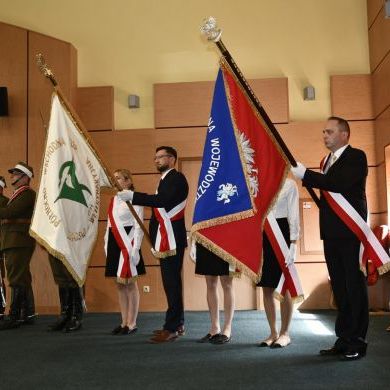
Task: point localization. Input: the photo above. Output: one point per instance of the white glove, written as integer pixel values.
(292, 254)
(193, 250)
(135, 257)
(154, 252)
(299, 170)
(126, 195)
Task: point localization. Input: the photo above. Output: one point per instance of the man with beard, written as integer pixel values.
(168, 234)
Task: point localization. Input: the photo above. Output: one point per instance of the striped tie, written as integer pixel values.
(332, 160)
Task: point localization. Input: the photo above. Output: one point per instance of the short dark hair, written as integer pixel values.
(342, 123)
(169, 150)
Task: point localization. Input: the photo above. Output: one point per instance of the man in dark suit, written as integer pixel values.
(18, 246)
(343, 172)
(167, 222)
(3, 202)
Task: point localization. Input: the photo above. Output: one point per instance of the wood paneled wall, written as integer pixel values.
(13, 75)
(379, 41)
(188, 104)
(379, 46)
(95, 107)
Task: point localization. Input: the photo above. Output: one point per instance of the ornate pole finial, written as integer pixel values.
(210, 29)
(41, 63)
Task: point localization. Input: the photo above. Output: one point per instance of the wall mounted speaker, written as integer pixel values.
(309, 93)
(133, 101)
(3, 101)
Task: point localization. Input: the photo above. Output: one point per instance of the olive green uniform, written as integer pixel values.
(15, 241)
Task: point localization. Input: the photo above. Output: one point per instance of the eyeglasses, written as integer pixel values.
(162, 156)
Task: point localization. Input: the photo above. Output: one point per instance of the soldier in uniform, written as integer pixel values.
(3, 202)
(18, 246)
(71, 298)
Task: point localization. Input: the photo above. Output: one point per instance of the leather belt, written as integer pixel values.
(15, 221)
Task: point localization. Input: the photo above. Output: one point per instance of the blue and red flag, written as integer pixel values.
(242, 171)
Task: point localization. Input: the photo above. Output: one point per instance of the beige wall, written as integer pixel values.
(132, 44)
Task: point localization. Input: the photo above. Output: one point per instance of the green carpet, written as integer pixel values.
(33, 358)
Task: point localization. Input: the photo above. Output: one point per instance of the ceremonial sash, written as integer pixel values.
(126, 269)
(372, 248)
(17, 193)
(165, 244)
(289, 280)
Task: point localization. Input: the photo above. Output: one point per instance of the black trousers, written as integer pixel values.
(350, 291)
(171, 277)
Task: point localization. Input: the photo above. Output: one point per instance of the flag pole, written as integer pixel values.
(210, 29)
(46, 71)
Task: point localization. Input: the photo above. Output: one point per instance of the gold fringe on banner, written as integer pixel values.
(198, 237)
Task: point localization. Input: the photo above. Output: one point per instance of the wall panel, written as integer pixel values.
(189, 142)
(373, 8)
(13, 75)
(380, 188)
(95, 107)
(131, 149)
(188, 104)
(382, 134)
(351, 96)
(381, 86)
(379, 39)
(372, 187)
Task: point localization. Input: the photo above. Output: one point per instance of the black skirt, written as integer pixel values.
(271, 268)
(208, 263)
(113, 255)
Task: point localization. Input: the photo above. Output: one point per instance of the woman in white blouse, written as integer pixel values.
(122, 241)
(286, 212)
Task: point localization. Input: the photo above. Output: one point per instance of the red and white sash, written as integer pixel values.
(372, 248)
(289, 280)
(126, 269)
(18, 192)
(165, 244)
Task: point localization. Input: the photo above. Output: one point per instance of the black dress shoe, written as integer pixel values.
(205, 339)
(351, 355)
(332, 351)
(126, 330)
(117, 330)
(220, 339)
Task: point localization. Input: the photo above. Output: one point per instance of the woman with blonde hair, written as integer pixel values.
(123, 240)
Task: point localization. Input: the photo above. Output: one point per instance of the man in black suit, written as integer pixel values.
(168, 203)
(344, 172)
